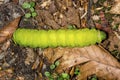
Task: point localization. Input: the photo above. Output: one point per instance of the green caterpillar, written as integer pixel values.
(54, 38)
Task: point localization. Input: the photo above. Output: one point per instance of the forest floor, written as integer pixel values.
(95, 62)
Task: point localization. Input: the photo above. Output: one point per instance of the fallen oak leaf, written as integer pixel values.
(107, 68)
(86, 54)
(7, 31)
(102, 71)
(69, 57)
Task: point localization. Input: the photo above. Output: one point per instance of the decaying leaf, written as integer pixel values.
(93, 60)
(6, 74)
(7, 31)
(116, 7)
(103, 25)
(103, 71)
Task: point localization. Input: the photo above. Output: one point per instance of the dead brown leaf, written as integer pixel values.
(7, 31)
(116, 7)
(93, 60)
(103, 25)
(103, 71)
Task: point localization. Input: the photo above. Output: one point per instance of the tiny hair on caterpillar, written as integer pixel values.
(58, 38)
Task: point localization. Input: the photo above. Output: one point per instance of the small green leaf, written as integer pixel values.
(32, 9)
(52, 66)
(65, 75)
(32, 4)
(77, 71)
(94, 79)
(34, 14)
(71, 27)
(51, 79)
(57, 63)
(27, 15)
(60, 78)
(47, 74)
(26, 5)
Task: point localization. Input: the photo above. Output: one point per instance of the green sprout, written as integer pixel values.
(32, 4)
(47, 74)
(94, 77)
(27, 15)
(30, 9)
(56, 76)
(52, 66)
(77, 71)
(57, 63)
(26, 5)
(60, 78)
(71, 27)
(65, 75)
(34, 14)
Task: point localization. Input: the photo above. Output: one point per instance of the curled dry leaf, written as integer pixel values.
(7, 31)
(93, 60)
(103, 25)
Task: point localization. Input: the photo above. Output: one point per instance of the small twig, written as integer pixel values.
(83, 15)
(74, 4)
(89, 7)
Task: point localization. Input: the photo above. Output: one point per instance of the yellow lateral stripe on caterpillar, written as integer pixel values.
(55, 38)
